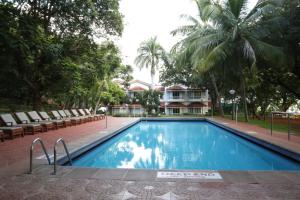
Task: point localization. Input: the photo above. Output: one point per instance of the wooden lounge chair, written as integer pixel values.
(12, 131)
(47, 125)
(67, 122)
(58, 123)
(98, 116)
(69, 115)
(74, 121)
(36, 118)
(76, 114)
(13, 128)
(83, 114)
(24, 119)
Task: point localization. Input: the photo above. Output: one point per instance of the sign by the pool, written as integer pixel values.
(189, 175)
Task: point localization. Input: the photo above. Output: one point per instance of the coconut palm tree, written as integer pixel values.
(228, 34)
(150, 54)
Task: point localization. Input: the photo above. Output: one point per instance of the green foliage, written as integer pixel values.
(149, 99)
(255, 52)
(150, 54)
(113, 95)
(48, 51)
(124, 74)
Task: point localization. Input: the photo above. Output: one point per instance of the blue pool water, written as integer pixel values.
(182, 145)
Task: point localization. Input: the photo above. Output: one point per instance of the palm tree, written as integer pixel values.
(150, 54)
(227, 34)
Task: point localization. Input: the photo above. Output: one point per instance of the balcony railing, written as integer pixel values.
(185, 99)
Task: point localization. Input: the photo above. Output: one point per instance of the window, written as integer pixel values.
(176, 95)
(197, 110)
(197, 94)
(176, 110)
(191, 110)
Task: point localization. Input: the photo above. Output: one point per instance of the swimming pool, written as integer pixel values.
(197, 145)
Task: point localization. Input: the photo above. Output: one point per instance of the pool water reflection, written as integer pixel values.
(182, 145)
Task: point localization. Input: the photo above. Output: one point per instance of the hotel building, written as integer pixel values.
(176, 100)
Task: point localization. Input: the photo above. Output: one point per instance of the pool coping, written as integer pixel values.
(127, 174)
(266, 144)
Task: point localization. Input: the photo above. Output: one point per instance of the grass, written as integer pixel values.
(267, 124)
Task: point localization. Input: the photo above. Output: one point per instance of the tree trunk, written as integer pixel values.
(243, 87)
(152, 75)
(36, 100)
(97, 106)
(213, 80)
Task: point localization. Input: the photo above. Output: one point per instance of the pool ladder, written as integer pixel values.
(66, 149)
(46, 154)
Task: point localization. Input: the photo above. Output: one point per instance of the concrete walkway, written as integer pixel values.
(123, 184)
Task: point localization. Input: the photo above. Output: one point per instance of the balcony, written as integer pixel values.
(185, 97)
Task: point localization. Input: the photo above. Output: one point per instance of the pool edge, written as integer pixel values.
(258, 141)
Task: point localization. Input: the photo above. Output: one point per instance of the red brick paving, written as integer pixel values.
(14, 154)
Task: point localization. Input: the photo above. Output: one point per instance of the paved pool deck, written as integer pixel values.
(277, 138)
(87, 183)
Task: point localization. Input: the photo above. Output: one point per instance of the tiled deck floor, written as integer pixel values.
(96, 184)
(70, 183)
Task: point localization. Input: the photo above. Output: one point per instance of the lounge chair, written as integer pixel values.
(12, 131)
(67, 122)
(58, 123)
(76, 114)
(83, 114)
(24, 119)
(68, 113)
(74, 120)
(12, 128)
(36, 118)
(98, 116)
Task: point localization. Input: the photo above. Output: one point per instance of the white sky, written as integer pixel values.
(148, 18)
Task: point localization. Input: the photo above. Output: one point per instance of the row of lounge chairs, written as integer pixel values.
(33, 121)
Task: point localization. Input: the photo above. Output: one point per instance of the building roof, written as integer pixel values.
(137, 88)
(196, 105)
(160, 88)
(141, 82)
(176, 87)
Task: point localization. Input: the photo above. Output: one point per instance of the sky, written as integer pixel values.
(144, 19)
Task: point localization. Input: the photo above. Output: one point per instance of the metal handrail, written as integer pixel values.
(31, 152)
(288, 114)
(66, 149)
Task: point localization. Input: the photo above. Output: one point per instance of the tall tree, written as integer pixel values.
(231, 36)
(149, 55)
(38, 36)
